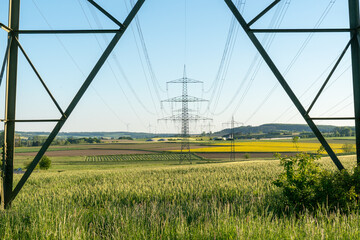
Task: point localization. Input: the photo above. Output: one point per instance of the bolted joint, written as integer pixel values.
(354, 31)
(122, 26)
(12, 34)
(306, 116)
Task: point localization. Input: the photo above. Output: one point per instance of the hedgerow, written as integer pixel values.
(305, 185)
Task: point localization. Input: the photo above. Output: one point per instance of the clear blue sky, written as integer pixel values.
(191, 32)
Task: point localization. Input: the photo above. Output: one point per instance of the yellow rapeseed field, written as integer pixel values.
(267, 147)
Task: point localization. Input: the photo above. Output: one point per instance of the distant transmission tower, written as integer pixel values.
(232, 137)
(208, 126)
(184, 115)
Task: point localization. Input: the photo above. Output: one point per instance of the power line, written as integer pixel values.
(309, 88)
(75, 63)
(335, 80)
(227, 62)
(117, 63)
(185, 32)
(185, 117)
(217, 84)
(326, 113)
(295, 58)
(152, 74)
(111, 68)
(271, 37)
(154, 80)
(256, 63)
(343, 108)
(230, 36)
(232, 137)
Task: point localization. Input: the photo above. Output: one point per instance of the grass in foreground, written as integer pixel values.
(208, 201)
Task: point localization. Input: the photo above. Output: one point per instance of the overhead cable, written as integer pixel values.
(75, 63)
(295, 58)
(257, 61)
(117, 63)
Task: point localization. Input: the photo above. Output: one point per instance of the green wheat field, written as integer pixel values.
(166, 201)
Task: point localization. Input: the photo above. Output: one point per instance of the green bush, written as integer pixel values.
(45, 163)
(305, 184)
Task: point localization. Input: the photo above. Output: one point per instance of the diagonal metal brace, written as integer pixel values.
(273, 4)
(6, 28)
(283, 83)
(354, 21)
(329, 77)
(41, 80)
(106, 13)
(5, 59)
(77, 98)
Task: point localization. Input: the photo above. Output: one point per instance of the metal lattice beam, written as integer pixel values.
(11, 56)
(355, 57)
(280, 77)
(184, 115)
(8, 194)
(232, 124)
(10, 106)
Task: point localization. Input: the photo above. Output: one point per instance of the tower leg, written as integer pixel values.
(10, 107)
(355, 57)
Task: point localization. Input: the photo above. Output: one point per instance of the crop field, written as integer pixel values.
(139, 157)
(135, 147)
(209, 150)
(150, 194)
(198, 201)
(270, 146)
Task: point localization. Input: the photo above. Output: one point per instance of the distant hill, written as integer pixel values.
(274, 127)
(265, 129)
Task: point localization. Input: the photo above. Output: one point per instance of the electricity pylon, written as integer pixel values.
(208, 126)
(232, 137)
(8, 191)
(185, 117)
(354, 43)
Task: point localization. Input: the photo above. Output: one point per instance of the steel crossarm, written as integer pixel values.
(118, 34)
(283, 82)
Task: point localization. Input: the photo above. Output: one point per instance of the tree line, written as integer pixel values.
(39, 140)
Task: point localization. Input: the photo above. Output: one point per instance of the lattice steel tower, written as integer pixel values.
(9, 193)
(184, 116)
(232, 123)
